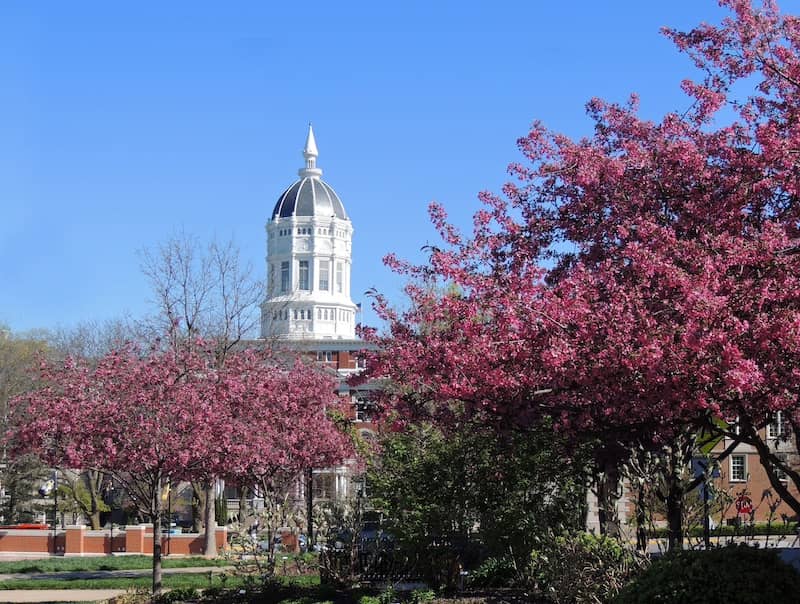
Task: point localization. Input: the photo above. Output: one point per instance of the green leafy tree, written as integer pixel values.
(83, 491)
(456, 497)
(20, 478)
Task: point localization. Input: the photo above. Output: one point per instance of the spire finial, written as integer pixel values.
(310, 154)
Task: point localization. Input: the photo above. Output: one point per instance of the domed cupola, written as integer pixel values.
(308, 260)
(309, 196)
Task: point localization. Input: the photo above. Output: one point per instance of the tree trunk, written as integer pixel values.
(607, 516)
(768, 458)
(674, 503)
(210, 536)
(641, 520)
(92, 480)
(198, 507)
(244, 507)
(156, 509)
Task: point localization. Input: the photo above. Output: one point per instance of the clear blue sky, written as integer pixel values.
(123, 123)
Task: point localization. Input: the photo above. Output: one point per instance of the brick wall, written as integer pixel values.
(79, 541)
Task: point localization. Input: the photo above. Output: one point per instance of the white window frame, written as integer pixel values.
(324, 275)
(734, 474)
(304, 275)
(778, 471)
(734, 426)
(777, 427)
(323, 485)
(286, 276)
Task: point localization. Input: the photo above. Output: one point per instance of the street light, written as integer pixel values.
(43, 492)
(108, 499)
(310, 507)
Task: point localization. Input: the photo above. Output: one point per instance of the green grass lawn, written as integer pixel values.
(48, 565)
(296, 590)
(198, 580)
(305, 589)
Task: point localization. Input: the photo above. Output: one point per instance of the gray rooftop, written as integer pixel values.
(309, 196)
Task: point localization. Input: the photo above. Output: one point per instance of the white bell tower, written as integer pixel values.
(308, 260)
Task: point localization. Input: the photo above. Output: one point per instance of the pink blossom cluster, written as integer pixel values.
(181, 415)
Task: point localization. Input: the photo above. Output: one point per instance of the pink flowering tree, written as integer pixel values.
(154, 419)
(298, 431)
(304, 430)
(638, 283)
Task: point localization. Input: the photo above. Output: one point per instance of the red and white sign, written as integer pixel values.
(744, 505)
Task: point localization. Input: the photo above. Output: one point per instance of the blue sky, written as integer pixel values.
(124, 123)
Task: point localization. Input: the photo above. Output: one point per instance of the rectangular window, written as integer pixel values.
(738, 468)
(364, 411)
(782, 457)
(286, 277)
(304, 280)
(777, 428)
(323, 486)
(339, 278)
(324, 275)
(271, 286)
(325, 356)
(362, 488)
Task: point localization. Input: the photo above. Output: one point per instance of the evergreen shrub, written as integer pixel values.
(737, 574)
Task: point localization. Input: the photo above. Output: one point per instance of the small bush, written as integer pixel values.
(176, 595)
(737, 574)
(421, 596)
(583, 568)
(388, 596)
(493, 572)
(140, 595)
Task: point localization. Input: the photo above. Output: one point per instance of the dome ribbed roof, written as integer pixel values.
(309, 196)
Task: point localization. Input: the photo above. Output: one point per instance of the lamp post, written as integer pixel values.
(169, 517)
(55, 509)
(108, 499)
(310, 508)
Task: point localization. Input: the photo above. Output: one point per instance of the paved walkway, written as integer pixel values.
(59, 595)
